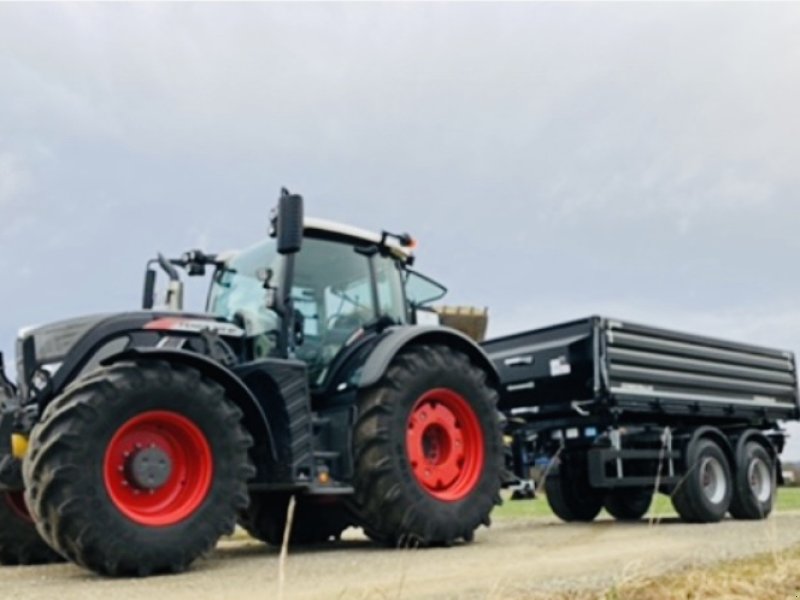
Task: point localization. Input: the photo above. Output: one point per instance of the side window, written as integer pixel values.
(348, 306)
(391, 300)
(422, 290)
(306, 303)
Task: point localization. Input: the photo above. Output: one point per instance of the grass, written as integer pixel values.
(788, 499)
(773, 576)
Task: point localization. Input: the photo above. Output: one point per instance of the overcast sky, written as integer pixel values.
(554, 160)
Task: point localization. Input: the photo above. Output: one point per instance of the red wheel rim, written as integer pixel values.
(445, 447)
(16, 501)
(186, 451)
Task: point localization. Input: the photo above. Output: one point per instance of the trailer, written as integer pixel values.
(618, 411)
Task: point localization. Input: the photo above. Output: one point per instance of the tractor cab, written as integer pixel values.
(333, 285)
(345, 280)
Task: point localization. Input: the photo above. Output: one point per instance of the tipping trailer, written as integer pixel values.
(618, 411)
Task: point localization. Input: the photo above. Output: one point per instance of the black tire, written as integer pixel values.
(20, 543)
(392, 504)
(313, 522)
(70, 475)
(756, 479)
(704, 494)
(628, 504)
(568, 491)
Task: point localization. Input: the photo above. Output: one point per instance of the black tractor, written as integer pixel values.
(132, 442)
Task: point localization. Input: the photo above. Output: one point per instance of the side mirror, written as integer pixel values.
(149, 289)
(289, 230)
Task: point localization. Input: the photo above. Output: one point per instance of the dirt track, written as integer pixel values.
(512, 558)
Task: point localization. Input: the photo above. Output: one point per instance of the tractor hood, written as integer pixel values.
(80, 344)
(45, 346)
(53, 340)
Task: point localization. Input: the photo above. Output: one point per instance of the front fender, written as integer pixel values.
(400, 337)
(254, 419)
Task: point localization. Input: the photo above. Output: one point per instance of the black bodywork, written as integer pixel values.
(299, 431)
(301, 426)
(569, 385)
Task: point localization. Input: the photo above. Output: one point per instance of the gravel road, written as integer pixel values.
(513, 558)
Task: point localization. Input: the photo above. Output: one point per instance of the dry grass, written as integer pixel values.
(774, 576)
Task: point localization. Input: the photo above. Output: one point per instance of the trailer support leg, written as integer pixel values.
(616, 443)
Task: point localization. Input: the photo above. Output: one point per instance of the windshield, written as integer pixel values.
(239, 287)
(337, 290)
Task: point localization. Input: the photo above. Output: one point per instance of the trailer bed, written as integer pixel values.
(599, 365)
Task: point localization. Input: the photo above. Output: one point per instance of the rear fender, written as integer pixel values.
(399, 338)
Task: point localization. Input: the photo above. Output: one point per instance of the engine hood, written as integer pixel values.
(53, 340)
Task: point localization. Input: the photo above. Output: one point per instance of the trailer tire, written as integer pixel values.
(138, 469)
(20, 543)
(754, 493)
(265, 520)
(568, 491)
(705, 492)
(428, 450)
(628, 504)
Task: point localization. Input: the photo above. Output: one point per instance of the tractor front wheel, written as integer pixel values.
(428, 450)
(20, 543)
(138, 469)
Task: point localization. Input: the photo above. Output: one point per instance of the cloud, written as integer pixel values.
(15, 179)
(554, 160)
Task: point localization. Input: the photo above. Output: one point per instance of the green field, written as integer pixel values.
(788, 499)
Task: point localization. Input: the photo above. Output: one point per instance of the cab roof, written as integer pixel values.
(356, 234)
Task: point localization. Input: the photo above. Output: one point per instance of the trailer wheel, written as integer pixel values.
(428, 450)
(20, 543)
(568, 491)
(628, 504)
(265, 520)
(754, 494)
(704, 494)
(138, 469)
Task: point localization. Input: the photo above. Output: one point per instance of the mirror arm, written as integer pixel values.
(149, 290)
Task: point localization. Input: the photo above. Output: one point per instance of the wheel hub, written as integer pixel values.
(158, 468)
(16, 501)
(760, 480)
(712, 479)
(149, 468)
(444, 444)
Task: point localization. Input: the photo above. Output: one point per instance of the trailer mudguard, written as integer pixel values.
(754, 435)
(254, 417)
(715, 434)
(400, 337)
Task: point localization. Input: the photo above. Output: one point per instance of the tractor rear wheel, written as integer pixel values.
(428, 450)
(138, 469)
(313, 523)
(20, 543)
